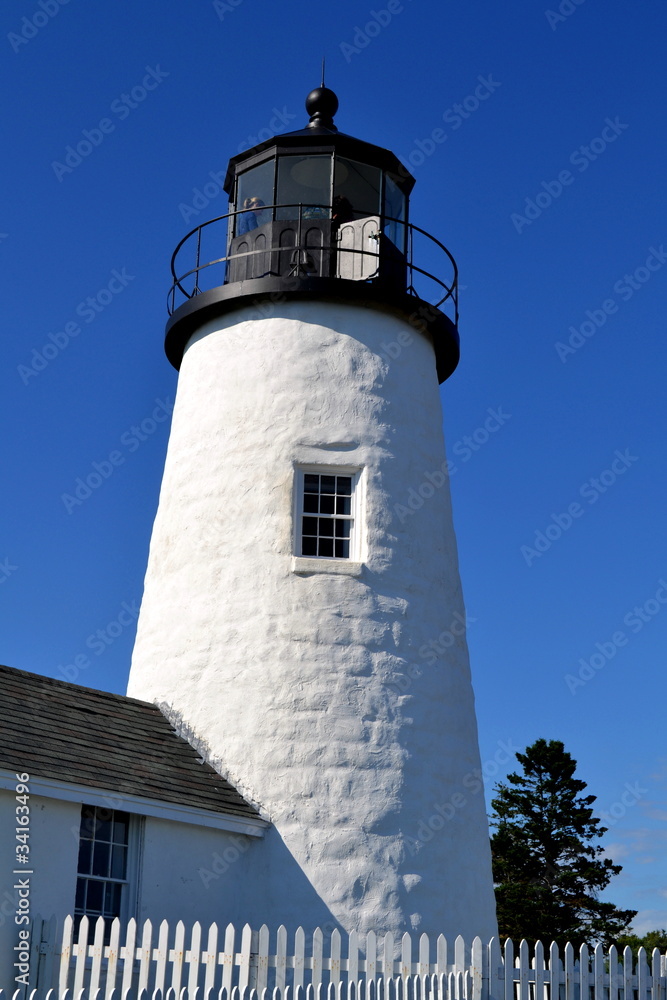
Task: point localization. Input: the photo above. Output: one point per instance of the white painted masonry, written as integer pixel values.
(301, 680)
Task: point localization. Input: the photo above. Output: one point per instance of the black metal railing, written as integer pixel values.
(314, 251)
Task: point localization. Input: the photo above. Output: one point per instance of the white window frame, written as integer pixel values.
(130, 884)
(342, 564)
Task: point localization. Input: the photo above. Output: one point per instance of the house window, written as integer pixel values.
(102, 871)
(326, 514)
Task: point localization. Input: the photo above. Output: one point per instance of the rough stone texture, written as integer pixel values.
(311, 690)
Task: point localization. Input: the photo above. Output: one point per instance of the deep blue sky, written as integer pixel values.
(553, 82)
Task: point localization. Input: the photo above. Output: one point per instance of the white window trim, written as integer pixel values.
(352, 565)
(131, 882)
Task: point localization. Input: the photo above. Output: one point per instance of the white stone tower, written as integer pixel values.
(302, 611)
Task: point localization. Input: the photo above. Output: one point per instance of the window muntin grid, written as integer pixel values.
(102, 865)
(327, 514)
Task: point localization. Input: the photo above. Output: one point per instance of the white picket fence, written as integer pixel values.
(153, 962)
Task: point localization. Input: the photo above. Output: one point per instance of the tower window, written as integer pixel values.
(326, 513)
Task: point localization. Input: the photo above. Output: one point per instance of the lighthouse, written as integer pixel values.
(302, 613)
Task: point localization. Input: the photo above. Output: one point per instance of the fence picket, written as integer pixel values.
(441, 955)
(477, 969)
(210, 960)
(388, 959)
(127, 954)
(227, 960)
(81, 947)
(145, 954)
(628, 992)
(161, 957)
(95, 952)
(406, 958)
(194, 959)
(642, 975)
(318, 948)
(281, 960)
(370, 965)
(65, 954)
(353, 965)
(176, 956)
(539, 974)
(508, 991)
(243, 958)
(334, 965)
(656, 985)
(524, 966)
(262, 959)
(568, 961)
(299, 958)
(496, 973)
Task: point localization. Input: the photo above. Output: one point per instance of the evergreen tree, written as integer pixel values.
(649, 941)
(547, 866)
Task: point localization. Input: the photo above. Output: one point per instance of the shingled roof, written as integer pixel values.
(53, 729)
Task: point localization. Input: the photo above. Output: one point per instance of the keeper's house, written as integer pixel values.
(124, 816)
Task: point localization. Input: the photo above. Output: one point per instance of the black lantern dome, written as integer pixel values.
(316, 214)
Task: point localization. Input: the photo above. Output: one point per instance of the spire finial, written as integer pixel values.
(322, 105)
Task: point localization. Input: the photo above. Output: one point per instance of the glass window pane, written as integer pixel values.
(87, 822)
(343, 505)
(327, 504)
(305, 181)
(118, 861)
(342, 529)
(94, 897)
(254, 186)
(310, 503)
(326, 526)
(326, 547)
(121, 821)
(394, 207)
(80, 900)
(103, 819)
(342, 549)
(359, 185)
(309, 547)
(344, 485)
(311, 484)
(112, 899)
(328, 484)
(85, 856)
(310, 525)
(101, 854)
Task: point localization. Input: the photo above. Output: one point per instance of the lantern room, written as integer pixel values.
(316, 213)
